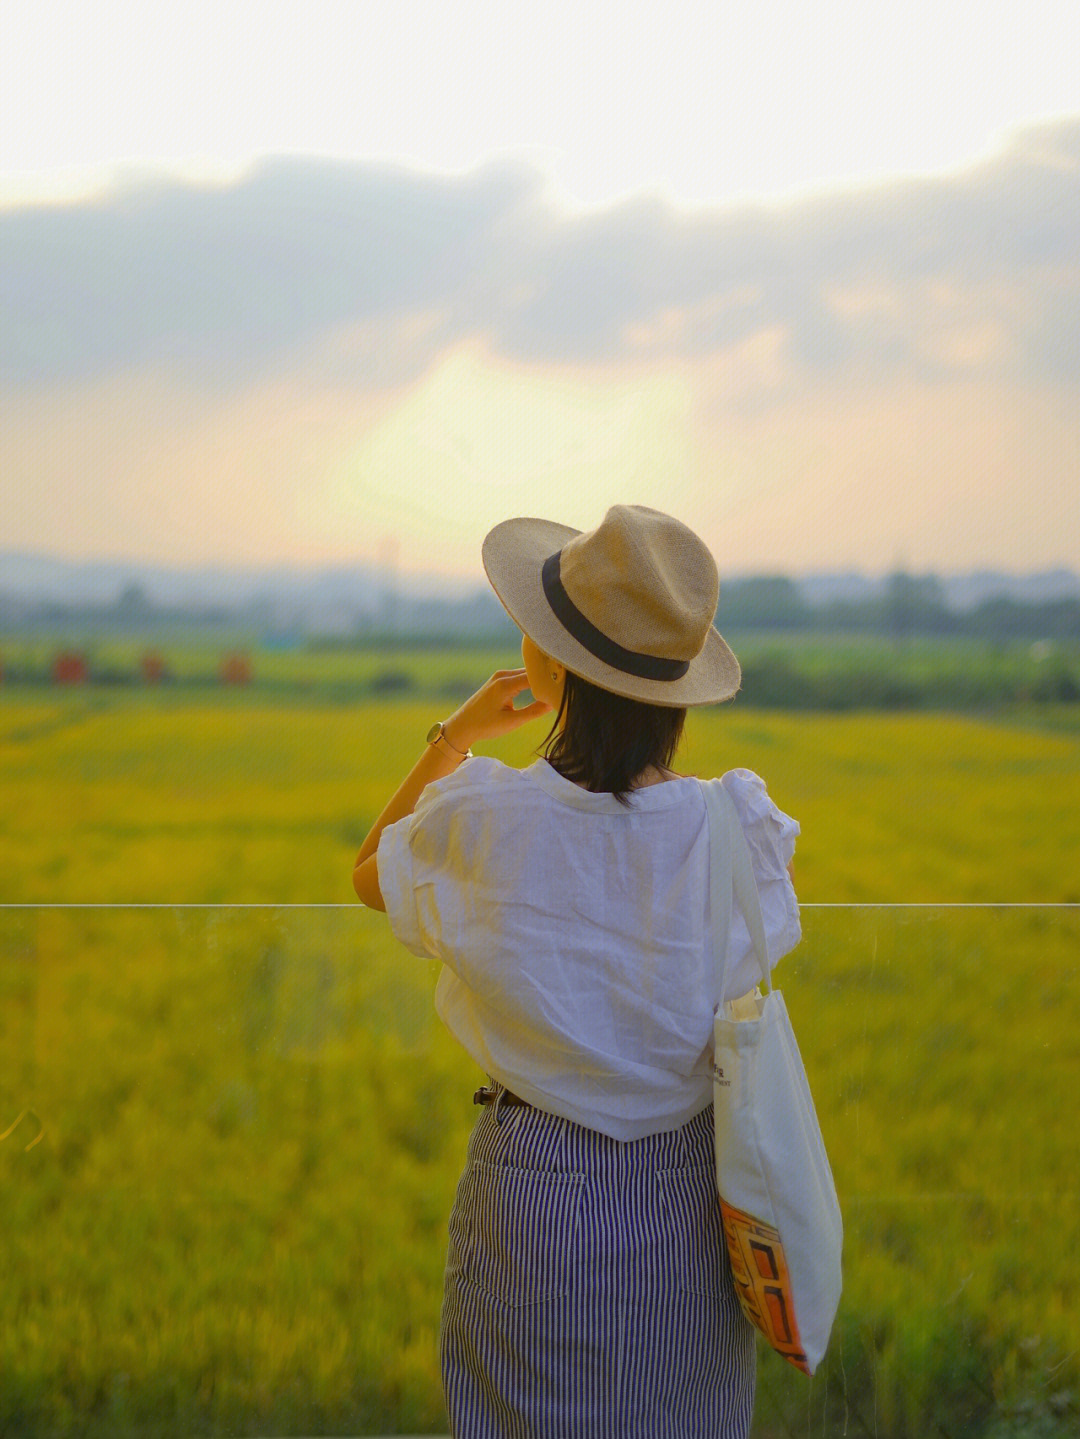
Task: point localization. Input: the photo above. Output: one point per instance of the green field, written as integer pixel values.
(215, 795)
(225, 1205)
(798, 670)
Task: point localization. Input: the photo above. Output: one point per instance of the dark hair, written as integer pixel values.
(607, 740)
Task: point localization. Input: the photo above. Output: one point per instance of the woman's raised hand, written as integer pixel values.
(490, 711)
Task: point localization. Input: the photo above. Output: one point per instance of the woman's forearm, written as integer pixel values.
(486, 714)
(433, 764)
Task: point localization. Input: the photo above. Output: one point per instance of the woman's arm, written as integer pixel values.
(432, 764)
(484, 715)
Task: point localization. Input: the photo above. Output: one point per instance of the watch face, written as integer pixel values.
(434, 731)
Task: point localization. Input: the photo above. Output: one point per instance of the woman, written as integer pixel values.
(587, 1286)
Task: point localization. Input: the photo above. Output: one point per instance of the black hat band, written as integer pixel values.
(629, 662)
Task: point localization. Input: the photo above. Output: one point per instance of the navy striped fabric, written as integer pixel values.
(588, 1293)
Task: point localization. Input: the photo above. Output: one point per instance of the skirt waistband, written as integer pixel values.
(488, 1094)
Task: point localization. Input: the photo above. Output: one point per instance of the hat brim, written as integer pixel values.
(514, 553)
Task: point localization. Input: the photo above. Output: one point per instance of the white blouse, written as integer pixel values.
(579, 966)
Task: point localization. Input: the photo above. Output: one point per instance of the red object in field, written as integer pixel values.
(235, 670)
(69, 668)
(153, 667)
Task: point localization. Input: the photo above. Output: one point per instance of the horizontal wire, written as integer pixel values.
(356, 905)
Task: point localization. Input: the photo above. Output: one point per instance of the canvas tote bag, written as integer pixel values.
(781, 1215)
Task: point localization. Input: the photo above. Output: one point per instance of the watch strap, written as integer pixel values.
(438, 732)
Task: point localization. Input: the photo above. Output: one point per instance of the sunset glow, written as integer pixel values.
(336, 286)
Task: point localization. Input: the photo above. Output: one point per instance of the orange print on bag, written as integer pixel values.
(760, 1271)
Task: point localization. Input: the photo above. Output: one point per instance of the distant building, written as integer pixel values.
(69, 668)
(283, 639)
(235, 670)
(152, 667)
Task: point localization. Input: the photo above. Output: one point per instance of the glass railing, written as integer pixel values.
(230, 1138)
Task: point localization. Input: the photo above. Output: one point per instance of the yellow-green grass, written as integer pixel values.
(230, 798)
(251, 1125)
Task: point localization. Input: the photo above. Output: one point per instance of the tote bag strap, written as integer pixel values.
(732, 869)
(720, 881)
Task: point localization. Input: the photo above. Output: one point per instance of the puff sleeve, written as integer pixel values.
(426, 861)
(770, 835)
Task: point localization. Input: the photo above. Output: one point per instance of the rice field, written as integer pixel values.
(237, 1131)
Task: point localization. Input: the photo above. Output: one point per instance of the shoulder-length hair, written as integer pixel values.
(607, 740)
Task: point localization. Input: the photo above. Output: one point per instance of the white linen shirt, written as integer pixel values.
(579, 965)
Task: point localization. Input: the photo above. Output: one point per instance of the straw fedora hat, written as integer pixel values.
(628, 606)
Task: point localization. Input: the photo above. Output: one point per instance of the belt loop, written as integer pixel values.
(684, 1147)
(496, 1108)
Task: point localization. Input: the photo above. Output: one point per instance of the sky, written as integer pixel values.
(357, 281)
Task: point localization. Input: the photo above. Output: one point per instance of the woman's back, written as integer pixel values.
(580, 963)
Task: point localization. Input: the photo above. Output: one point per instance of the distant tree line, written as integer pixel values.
(777, 680)
(909, 605)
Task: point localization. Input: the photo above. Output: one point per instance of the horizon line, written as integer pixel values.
(360, 562)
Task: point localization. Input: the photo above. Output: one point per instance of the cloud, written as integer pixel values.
(221, 282)
(368, 275)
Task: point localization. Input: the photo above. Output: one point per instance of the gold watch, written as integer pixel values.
(437, 732)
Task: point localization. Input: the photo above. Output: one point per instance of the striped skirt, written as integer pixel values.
(588, 1293)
